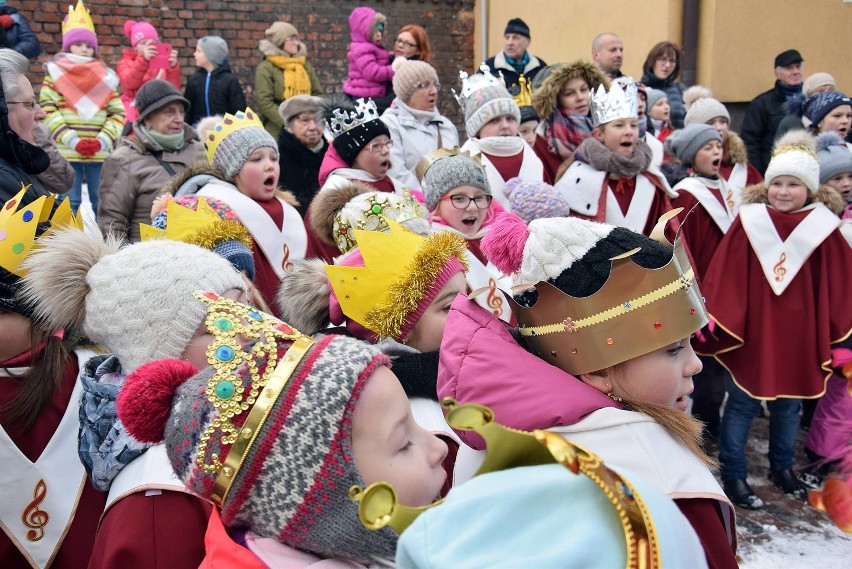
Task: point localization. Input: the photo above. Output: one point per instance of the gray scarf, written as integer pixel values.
(602, 158)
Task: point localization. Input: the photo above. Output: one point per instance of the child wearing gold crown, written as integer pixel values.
(243, 172)
(612, 178)
(48, 509)
(491, 119)
(603, 356)
(773, 273)
(562, 102)
(85, 117)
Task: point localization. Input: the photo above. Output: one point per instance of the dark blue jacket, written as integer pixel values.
(19, 37)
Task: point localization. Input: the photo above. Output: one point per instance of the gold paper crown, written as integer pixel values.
(433, 156)
(399, 269)
(509, 448)
(201, 226)
(636, 311)
(621, 102)
(20, 226)
(228, 124)
(524, 95)
(233, 326)
(371, 215)
(78, 17)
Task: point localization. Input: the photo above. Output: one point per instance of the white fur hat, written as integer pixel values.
(795, 155)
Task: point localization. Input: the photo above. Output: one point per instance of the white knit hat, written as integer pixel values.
(795, 155)
(137, 301)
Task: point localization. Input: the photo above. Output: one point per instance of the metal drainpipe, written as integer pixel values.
(483, 17)
(691, 10)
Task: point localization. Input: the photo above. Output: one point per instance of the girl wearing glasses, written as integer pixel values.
(660, 71)
(370, 68)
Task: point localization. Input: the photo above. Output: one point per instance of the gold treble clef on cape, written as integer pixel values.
(779, 268)
(34, 518)
(494, 299)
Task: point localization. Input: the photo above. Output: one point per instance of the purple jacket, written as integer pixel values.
(482, 363)
(369, 64)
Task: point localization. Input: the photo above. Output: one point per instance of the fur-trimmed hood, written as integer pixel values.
(759, 193)
(545, 97)
(734, 149)
(197, 175)
(267, 48)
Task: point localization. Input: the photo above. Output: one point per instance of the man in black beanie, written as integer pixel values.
(515, 60)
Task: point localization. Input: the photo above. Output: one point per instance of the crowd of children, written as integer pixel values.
(557, 326)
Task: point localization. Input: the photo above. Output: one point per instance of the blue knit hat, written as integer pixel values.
(817, 107)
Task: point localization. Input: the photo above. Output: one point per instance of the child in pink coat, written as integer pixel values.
(369, 63)
(135, 69)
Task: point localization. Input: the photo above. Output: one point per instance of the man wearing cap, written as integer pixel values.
(161, 146)
(765, 112)
(515, 60)
(301, 148)
(608, 54)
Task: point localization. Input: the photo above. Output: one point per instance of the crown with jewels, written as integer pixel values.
(229, 124)
(621, 102)
(342, 120)
(242, 334)
(506, 448)
(201, 226)
(637, 311)
(399, 269)
(372, 215)
(20, 227)
(78, 17)
(475, 82)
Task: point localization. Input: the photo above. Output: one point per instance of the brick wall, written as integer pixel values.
(323, 26)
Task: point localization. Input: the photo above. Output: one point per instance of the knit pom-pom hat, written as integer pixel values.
(138, 31)
(701, 107)
(486, 104)
(535, 200)
(137, 300)
(795, 155)
(291, 481)
(833, 155)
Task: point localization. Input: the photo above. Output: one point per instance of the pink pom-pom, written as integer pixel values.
(504, 242)
(145, 400)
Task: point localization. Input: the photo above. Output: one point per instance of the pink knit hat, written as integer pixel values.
(138, 31)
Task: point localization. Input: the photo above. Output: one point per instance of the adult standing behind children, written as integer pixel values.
(160, 146)
(415, 124)
(142, 63)
(660, 71)
(412, 43)
(284, 72)
(85, 118)
(514, 60)
(301, 148)
(213, 89)
(15, 32)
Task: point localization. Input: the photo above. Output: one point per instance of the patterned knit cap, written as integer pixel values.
(815, 108)
(486, 104)
(234, 149)
(293, 480)
(535, 200)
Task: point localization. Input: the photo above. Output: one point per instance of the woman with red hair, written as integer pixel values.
(412, 43)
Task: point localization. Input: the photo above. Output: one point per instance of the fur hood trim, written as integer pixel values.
(544, 99)
(759, 193)
(327, 204)
(268, 48)
(734, 149)
(303, 296)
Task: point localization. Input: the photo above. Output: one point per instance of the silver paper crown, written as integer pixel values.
(475, 82)
(342, 121)
(620, 103)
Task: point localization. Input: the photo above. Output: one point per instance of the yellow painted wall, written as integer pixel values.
(737, 42)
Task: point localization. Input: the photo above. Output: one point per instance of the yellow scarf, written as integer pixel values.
(296, 81)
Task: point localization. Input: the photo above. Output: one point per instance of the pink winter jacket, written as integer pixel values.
(133, 72)
(482, 363)
(369, 64)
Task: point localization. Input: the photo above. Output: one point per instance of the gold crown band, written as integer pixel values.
(571, 326)
(257, 417)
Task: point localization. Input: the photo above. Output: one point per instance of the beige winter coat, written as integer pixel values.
(132, 177)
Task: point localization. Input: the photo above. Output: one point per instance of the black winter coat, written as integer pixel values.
(225, 94)
(760, 126)
(299, 168)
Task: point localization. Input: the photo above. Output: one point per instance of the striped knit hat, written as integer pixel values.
(294, 478)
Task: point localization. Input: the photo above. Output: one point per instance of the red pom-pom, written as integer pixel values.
(145, 400)
(504, 242)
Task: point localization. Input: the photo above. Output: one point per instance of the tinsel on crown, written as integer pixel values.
(621, 102)
(342, 121)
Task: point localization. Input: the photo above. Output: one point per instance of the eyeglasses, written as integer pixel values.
(31, 105)
(429, 85)
(407, 43)
(292, 38)
(378, 146)
(173, 112)
(460, 201)
(308, 120)
(667, 60)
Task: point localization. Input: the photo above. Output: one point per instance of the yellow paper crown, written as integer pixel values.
(201, 226)
(228, 124)
(20, 227)
(507, 448)
(78, 17)
(400, 267)
(371, 215)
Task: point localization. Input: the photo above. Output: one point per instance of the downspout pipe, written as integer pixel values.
(483, 17)
(689, 58)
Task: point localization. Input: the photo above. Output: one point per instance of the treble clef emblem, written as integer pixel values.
(34, 518)
(730, 199)
(287, 264)
(494, 299)
(779, 268)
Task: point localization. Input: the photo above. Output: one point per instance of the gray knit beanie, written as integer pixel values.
(833, 155)
(451, 172)
(214, 48)
(234, 150)
(686, 143)
(653, 95)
